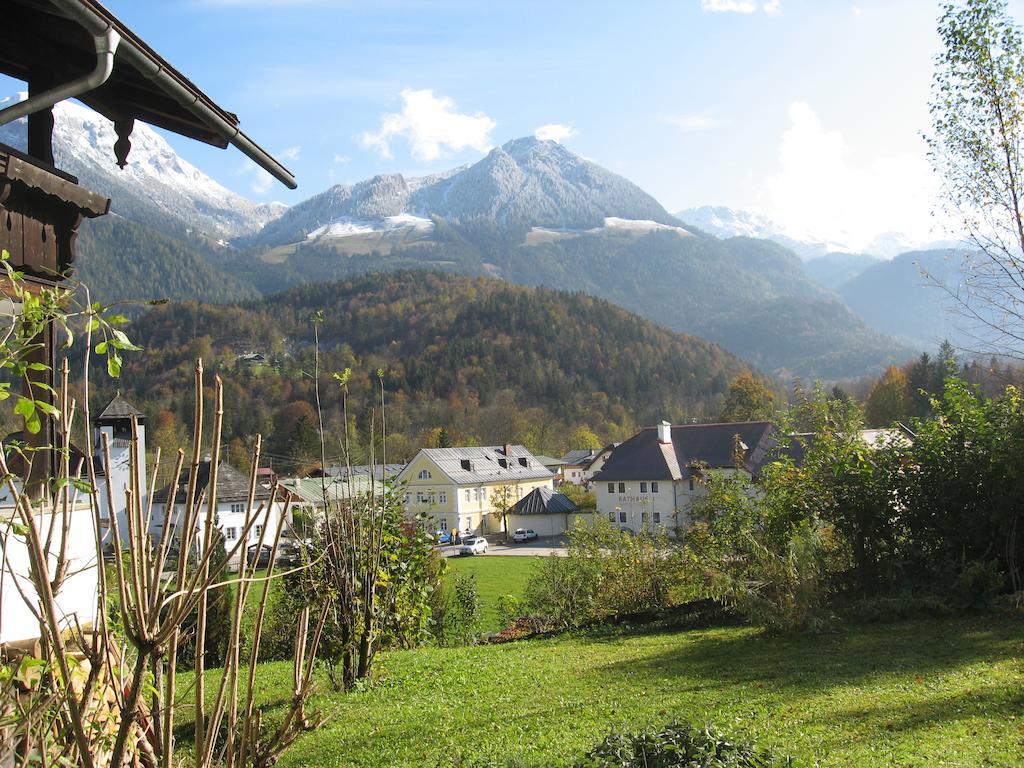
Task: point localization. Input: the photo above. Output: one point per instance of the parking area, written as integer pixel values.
(543, 546)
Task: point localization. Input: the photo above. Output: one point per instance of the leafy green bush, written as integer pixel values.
(455, 613)
(977, 585)
(510, 607)
(608, 573)
(897, 608)
(678, 745)
(563, 590)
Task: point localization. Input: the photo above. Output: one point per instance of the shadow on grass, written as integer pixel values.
(912, 652)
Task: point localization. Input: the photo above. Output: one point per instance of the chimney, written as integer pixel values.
(665, 433)
(508, 450)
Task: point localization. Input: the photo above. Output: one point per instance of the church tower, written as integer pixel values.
(116, 422)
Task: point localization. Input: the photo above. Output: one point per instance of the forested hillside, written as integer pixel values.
(751, 296)
(121, 260)
(464, 360)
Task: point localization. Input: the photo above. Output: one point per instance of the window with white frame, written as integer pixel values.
(256, 531)
(622, 487)
(442, 497)
(238, 509)
(611, 517)
(622, 516)
(467, 494)
(424, 474)
(654, 486)
(230, 533)
(656, 517)
(643, 487)
(691, 483)
(643, 517)
(611, 487)
(419, 497)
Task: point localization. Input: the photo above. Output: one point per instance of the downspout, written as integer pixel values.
(79, 10)
(106, 45)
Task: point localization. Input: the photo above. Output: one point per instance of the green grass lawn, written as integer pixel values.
(937, 692)
(496, 575)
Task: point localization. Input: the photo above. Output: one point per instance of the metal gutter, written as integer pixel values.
(106, 43)
(89, 16)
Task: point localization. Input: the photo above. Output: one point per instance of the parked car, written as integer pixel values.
(289, 553)
(443, 537)
(475, 545)
(524, 534)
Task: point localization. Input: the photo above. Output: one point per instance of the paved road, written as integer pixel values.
(543, 546)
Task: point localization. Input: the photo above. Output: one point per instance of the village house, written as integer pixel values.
(233, 508)
(459, 487)
(650, 481)
(579, 466)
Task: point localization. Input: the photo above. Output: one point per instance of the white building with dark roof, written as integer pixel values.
(233, 510)
(458, 487)
(650, 481)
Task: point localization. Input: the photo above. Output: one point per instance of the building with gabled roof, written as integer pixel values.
(457, 488)
(233, 509)
(579, 466)
(651, 480)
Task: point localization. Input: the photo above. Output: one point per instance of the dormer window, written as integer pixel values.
(523, 462)
(424, 474)
(467, 465)
(503, 463)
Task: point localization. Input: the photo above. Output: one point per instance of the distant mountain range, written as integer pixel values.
(724, 222)
(529, 212)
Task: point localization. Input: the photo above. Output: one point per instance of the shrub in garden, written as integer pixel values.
(678, 745)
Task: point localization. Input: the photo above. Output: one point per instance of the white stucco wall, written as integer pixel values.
(77, 598)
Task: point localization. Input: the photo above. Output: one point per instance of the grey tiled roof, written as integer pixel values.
(548, 461)
(232, 485)
(542, 501)
(642, 457)
(119, 408)
(488, 464)
(579, 456)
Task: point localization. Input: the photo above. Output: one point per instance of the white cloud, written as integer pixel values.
(821, 191)
(740, 6)
(342, 159)
(292, 153)
(689, 123)
(431, 126)
(555, 132)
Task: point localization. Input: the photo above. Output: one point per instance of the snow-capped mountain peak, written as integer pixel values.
(155, 180)
(525, 183)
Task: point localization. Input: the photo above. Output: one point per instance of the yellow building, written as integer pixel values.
(459, 487)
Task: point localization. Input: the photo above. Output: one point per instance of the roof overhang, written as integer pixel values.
(54, 40)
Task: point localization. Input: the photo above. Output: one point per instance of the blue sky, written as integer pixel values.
(807, 110)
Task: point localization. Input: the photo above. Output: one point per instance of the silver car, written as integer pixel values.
(477, 545)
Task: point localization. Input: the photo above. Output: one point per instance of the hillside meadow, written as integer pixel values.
(928, 692)
(936, 692)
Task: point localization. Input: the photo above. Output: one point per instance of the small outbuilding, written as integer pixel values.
(548, 512)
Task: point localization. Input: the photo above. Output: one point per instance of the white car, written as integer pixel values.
(524, 534)
(476, 545)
